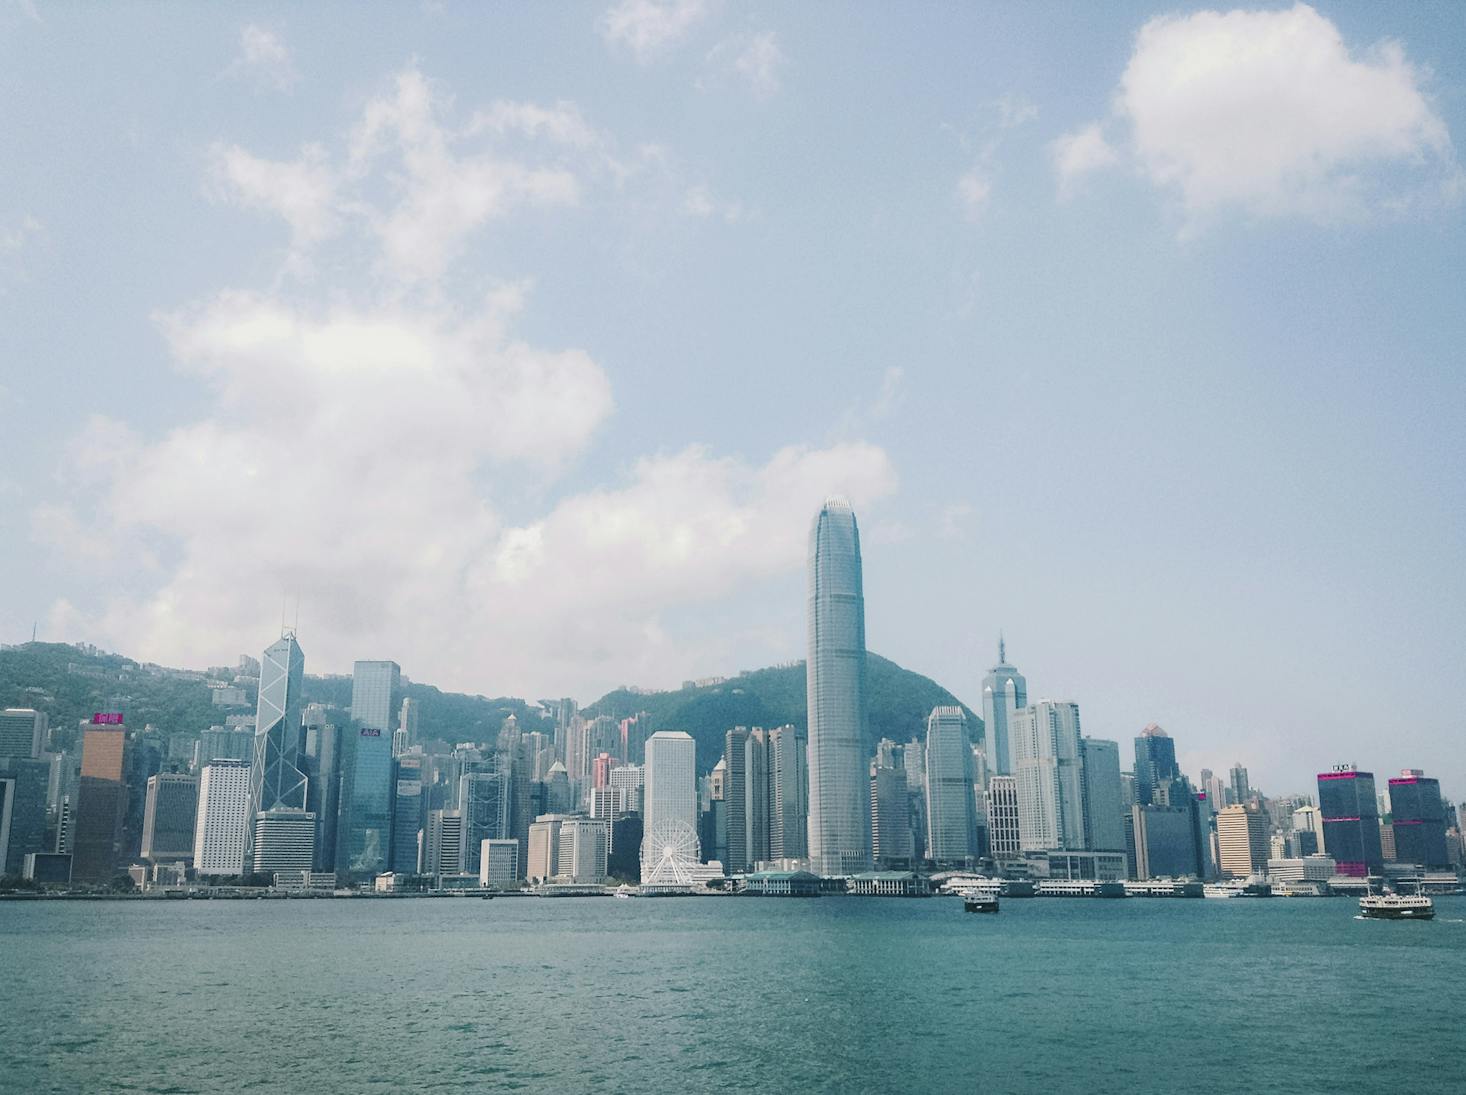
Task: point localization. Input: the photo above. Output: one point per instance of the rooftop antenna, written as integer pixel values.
(296, 626)
(282, 615)
(1002, 650)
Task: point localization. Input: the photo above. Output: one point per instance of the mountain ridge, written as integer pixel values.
(69, 682)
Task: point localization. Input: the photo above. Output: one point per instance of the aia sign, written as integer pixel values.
(107, 718)
(368, 732)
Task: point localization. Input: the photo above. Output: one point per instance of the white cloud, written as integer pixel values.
(362, 447)
(419, 184)
(955, 520)
(973, 192)
(754, 59)
(1079, 153)
(982, 140)
(303, 191)
(264, 59)
(700, 202)
(1271, 113)
(687, 528)
(14, 243)
(649, 28)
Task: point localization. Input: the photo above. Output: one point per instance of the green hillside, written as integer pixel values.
(68, 685)
(899, 701)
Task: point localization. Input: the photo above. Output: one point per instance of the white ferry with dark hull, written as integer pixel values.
(1396, 906)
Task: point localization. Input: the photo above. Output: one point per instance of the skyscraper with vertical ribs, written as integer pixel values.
(839, 788)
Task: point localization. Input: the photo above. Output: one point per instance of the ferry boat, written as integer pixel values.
(1079, 887)
(1255, 886)
(1397, 906)
(624, 892)
(980, 902)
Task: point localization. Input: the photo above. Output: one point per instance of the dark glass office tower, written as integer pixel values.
(1155, 762)
(1419, 820)
(1350, 820)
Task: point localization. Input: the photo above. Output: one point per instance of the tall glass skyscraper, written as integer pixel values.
(1419, 820)
(839, 788)
(279, 776)
(364, 829)
(951, 810)
(1155, 763)
(375, 689)
(1004, 691)
(277, 780)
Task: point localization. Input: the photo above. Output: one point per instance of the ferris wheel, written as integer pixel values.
(669, 854)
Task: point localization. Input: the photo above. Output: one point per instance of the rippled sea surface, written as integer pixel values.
(833, 994)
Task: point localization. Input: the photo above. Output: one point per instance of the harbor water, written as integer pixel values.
(730, 994)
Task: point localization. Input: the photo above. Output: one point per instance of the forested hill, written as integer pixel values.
(899, 702)
(69, 684)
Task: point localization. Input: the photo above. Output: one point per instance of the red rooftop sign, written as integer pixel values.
(107, 718)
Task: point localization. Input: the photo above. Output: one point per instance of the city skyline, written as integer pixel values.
(1237, 357)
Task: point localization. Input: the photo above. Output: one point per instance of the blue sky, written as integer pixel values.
(521, 343)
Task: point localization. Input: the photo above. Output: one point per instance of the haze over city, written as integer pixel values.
(525, 364)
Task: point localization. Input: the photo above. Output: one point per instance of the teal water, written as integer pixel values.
(852, 994)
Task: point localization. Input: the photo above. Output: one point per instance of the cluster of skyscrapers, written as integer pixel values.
(316, 797)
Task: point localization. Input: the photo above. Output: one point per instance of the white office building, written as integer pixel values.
(221, 833)
(498, 864)
(670, 844)
(583, 850)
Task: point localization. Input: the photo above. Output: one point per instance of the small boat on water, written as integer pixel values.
(624, 892)
(1390, 905)
(980, 902)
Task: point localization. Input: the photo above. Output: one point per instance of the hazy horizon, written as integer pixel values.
(521, 345)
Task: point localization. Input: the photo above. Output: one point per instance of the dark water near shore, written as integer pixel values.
(1148, 996)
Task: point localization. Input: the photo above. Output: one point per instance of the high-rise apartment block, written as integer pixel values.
(1049, 772)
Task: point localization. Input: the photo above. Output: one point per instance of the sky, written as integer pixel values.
(520, 343)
